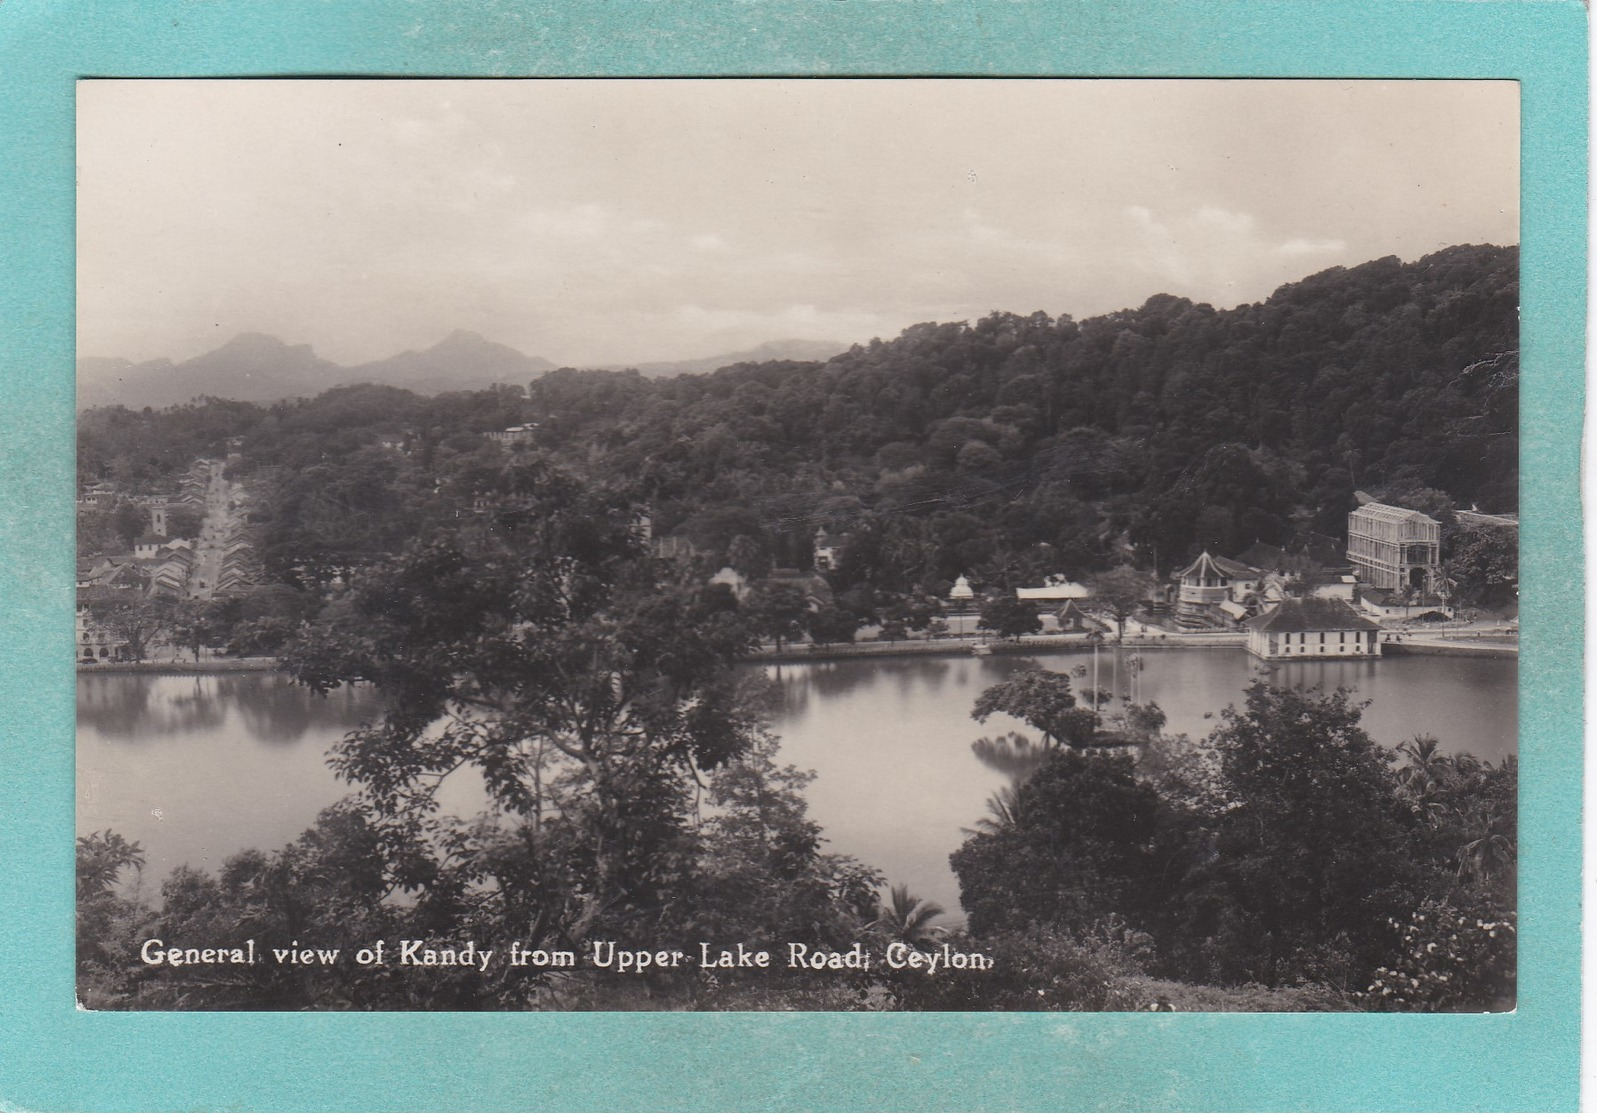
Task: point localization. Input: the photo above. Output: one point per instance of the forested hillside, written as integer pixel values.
(1008, 448)
(1174, 426)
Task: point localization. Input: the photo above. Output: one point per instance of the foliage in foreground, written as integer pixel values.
(1288, 850)
(539, 653)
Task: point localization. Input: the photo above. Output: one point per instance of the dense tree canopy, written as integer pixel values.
(539, 648)
(1288, 849)
(1009, 449)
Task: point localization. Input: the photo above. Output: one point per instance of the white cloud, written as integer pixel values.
(1214, 254)
(578, 219)
(1302, 246)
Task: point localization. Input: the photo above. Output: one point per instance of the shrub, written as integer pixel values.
(1451, 960)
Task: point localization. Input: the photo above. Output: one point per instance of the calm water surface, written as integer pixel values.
(197, 768)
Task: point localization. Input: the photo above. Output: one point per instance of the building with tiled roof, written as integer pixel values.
(1313, 628)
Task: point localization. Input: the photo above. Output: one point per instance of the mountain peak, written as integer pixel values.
(252, 342)
(463, 337)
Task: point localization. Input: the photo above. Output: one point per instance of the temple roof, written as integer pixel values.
(1221, 567)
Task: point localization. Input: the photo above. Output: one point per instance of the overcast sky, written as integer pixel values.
(598, 222)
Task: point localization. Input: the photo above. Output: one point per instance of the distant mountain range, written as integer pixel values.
(258, 368)
(790, 349)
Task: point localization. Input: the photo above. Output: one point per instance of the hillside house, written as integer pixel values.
(737, 583)
(515, 436)
(828, 550)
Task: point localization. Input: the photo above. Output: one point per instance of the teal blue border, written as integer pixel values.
(53, 1057)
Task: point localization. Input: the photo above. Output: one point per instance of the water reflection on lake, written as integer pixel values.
(196, 768)
(897, 781)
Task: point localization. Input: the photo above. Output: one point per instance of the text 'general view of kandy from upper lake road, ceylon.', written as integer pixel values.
(817, 636)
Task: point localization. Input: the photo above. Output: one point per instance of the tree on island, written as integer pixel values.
(1043, 700)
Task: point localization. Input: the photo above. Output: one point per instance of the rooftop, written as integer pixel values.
(1391, 514)
(1230, 568)
(1312, 614)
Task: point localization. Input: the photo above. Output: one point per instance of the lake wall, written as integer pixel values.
(166, 667)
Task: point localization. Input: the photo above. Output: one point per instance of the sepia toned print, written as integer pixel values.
(838, 545)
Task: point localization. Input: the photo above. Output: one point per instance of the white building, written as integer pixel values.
(1055, 590)
(514, 436)
(1395, 548)
(1313, 628)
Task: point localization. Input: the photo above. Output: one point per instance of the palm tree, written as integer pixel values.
(1003, 812)
(1426, 774)
(908, 919)
(1492, 849)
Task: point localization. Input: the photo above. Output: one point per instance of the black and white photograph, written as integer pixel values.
(833, 544)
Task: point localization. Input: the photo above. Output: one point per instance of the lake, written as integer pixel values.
(197, 768)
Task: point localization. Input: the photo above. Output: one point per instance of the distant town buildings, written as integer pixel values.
(1055, 588)
(828, 550)
(220, 561)
(515, 436)
(97, 641)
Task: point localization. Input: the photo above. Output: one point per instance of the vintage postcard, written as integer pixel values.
(789, 544)
(635, 558)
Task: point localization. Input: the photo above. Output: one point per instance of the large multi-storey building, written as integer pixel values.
(1395, 548)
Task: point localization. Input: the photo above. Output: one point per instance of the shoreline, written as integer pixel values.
(813, 653)
(203, 667)
(809, 653)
